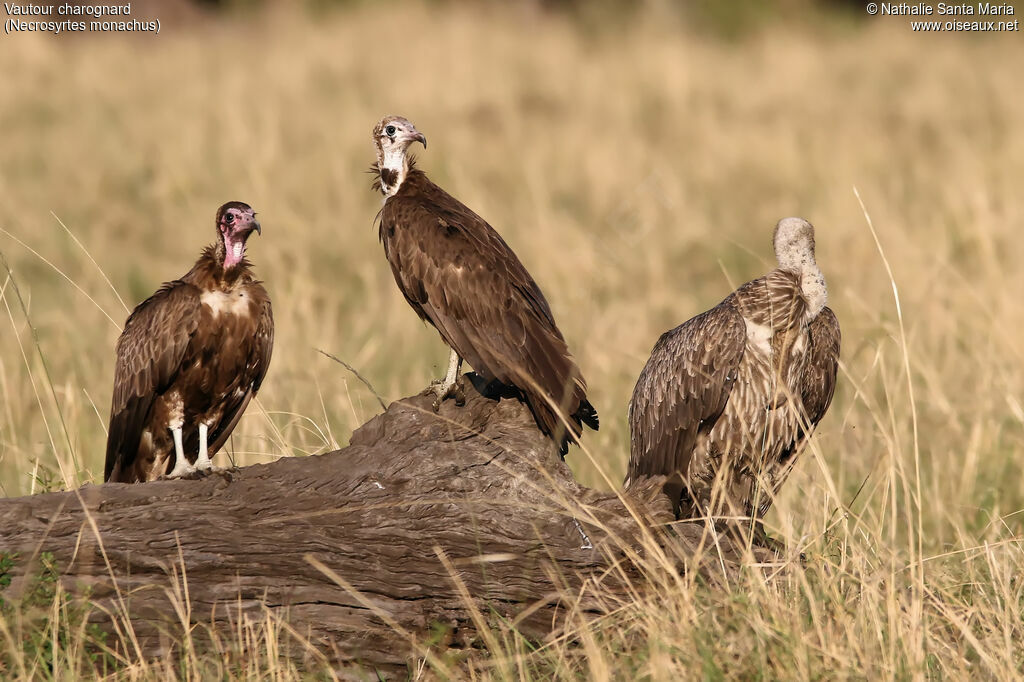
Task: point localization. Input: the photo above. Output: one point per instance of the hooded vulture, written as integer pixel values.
(189, 360)
(729, 399)
(459, 275)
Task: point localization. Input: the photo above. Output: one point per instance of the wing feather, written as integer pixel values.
(458, 273)
(819, 378)
(149, 355)
(682, 391)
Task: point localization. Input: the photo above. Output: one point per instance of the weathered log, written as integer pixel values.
(367, 552)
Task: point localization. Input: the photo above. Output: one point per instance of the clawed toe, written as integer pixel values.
(762, 539)
(180, 473)
(442, 393)
(194, 473)
(437, 388)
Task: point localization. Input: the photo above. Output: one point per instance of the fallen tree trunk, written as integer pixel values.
(371, 554)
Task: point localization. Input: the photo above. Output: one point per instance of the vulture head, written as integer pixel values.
(392, 137)
(794, 249)
(794, 244)
(235, 222)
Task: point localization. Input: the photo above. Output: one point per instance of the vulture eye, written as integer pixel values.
(390, 130)
(229, 218)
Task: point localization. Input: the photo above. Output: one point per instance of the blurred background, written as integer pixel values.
(635, 155)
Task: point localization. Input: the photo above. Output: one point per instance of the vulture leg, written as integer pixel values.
(203, 462)
(181, 465)
(587, 544)
(761, 538)
(449, 386)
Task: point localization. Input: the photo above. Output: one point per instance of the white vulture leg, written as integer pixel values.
(203, 462)
(181, 465)
(443, 388)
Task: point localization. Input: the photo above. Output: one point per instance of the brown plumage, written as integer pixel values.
(728, 399)
(191, 357)
(459, 275)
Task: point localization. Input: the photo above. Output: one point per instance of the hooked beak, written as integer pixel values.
(413, 136)
(254, 225)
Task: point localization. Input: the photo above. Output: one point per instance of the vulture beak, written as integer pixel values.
(253, 225)
(417, 135)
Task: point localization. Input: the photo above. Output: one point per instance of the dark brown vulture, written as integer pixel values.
(459, 275)
(189, 360)
(729, 398)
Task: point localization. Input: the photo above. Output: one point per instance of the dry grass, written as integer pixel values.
(638, 174)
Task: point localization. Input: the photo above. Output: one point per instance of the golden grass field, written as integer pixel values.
(638, 173)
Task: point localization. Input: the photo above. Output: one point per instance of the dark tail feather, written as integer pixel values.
(123, 436)
(551, 424)
(586, 414)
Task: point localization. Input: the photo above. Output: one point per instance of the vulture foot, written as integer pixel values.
(443, 390)
(181, 469)
(196, 474)
(762, 539)
(204, 464)
(450, 386)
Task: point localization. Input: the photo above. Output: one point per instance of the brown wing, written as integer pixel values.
(682, 391)
(819, 378)
(149, 354)
(818, 384)
(459, 274)
(255, 369)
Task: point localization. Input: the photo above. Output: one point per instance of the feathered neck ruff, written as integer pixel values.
(378, 184)
(209, 273)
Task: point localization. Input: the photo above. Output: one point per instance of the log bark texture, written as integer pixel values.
(371, 554)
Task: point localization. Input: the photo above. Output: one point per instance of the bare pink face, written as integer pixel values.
(236, 221)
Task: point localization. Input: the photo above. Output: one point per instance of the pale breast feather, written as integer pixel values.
(759, 336)
(235, 302)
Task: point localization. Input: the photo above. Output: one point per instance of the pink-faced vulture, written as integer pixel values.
(189, 360)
